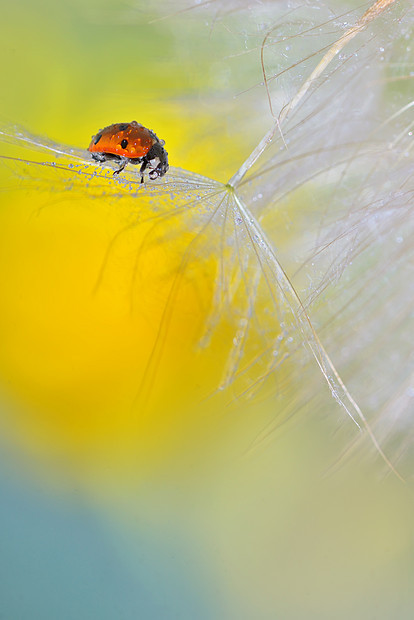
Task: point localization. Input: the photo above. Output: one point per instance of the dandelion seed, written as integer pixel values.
(300, 155)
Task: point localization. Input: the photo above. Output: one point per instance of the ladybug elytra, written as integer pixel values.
(130, 143)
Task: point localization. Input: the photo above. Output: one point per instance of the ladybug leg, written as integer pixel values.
(122, 164)
(99, 157)
(143, 168)
(158, 152)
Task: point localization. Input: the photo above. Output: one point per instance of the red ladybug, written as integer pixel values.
(130, 143)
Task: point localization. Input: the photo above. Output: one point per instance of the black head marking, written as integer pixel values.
(123, 126)
(124, 143)
(97, 138)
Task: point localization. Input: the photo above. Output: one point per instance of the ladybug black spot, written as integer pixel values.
(123, 126)
(98, 137)
(124, 143)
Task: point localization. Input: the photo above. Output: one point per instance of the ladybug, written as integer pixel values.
(130, 143)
